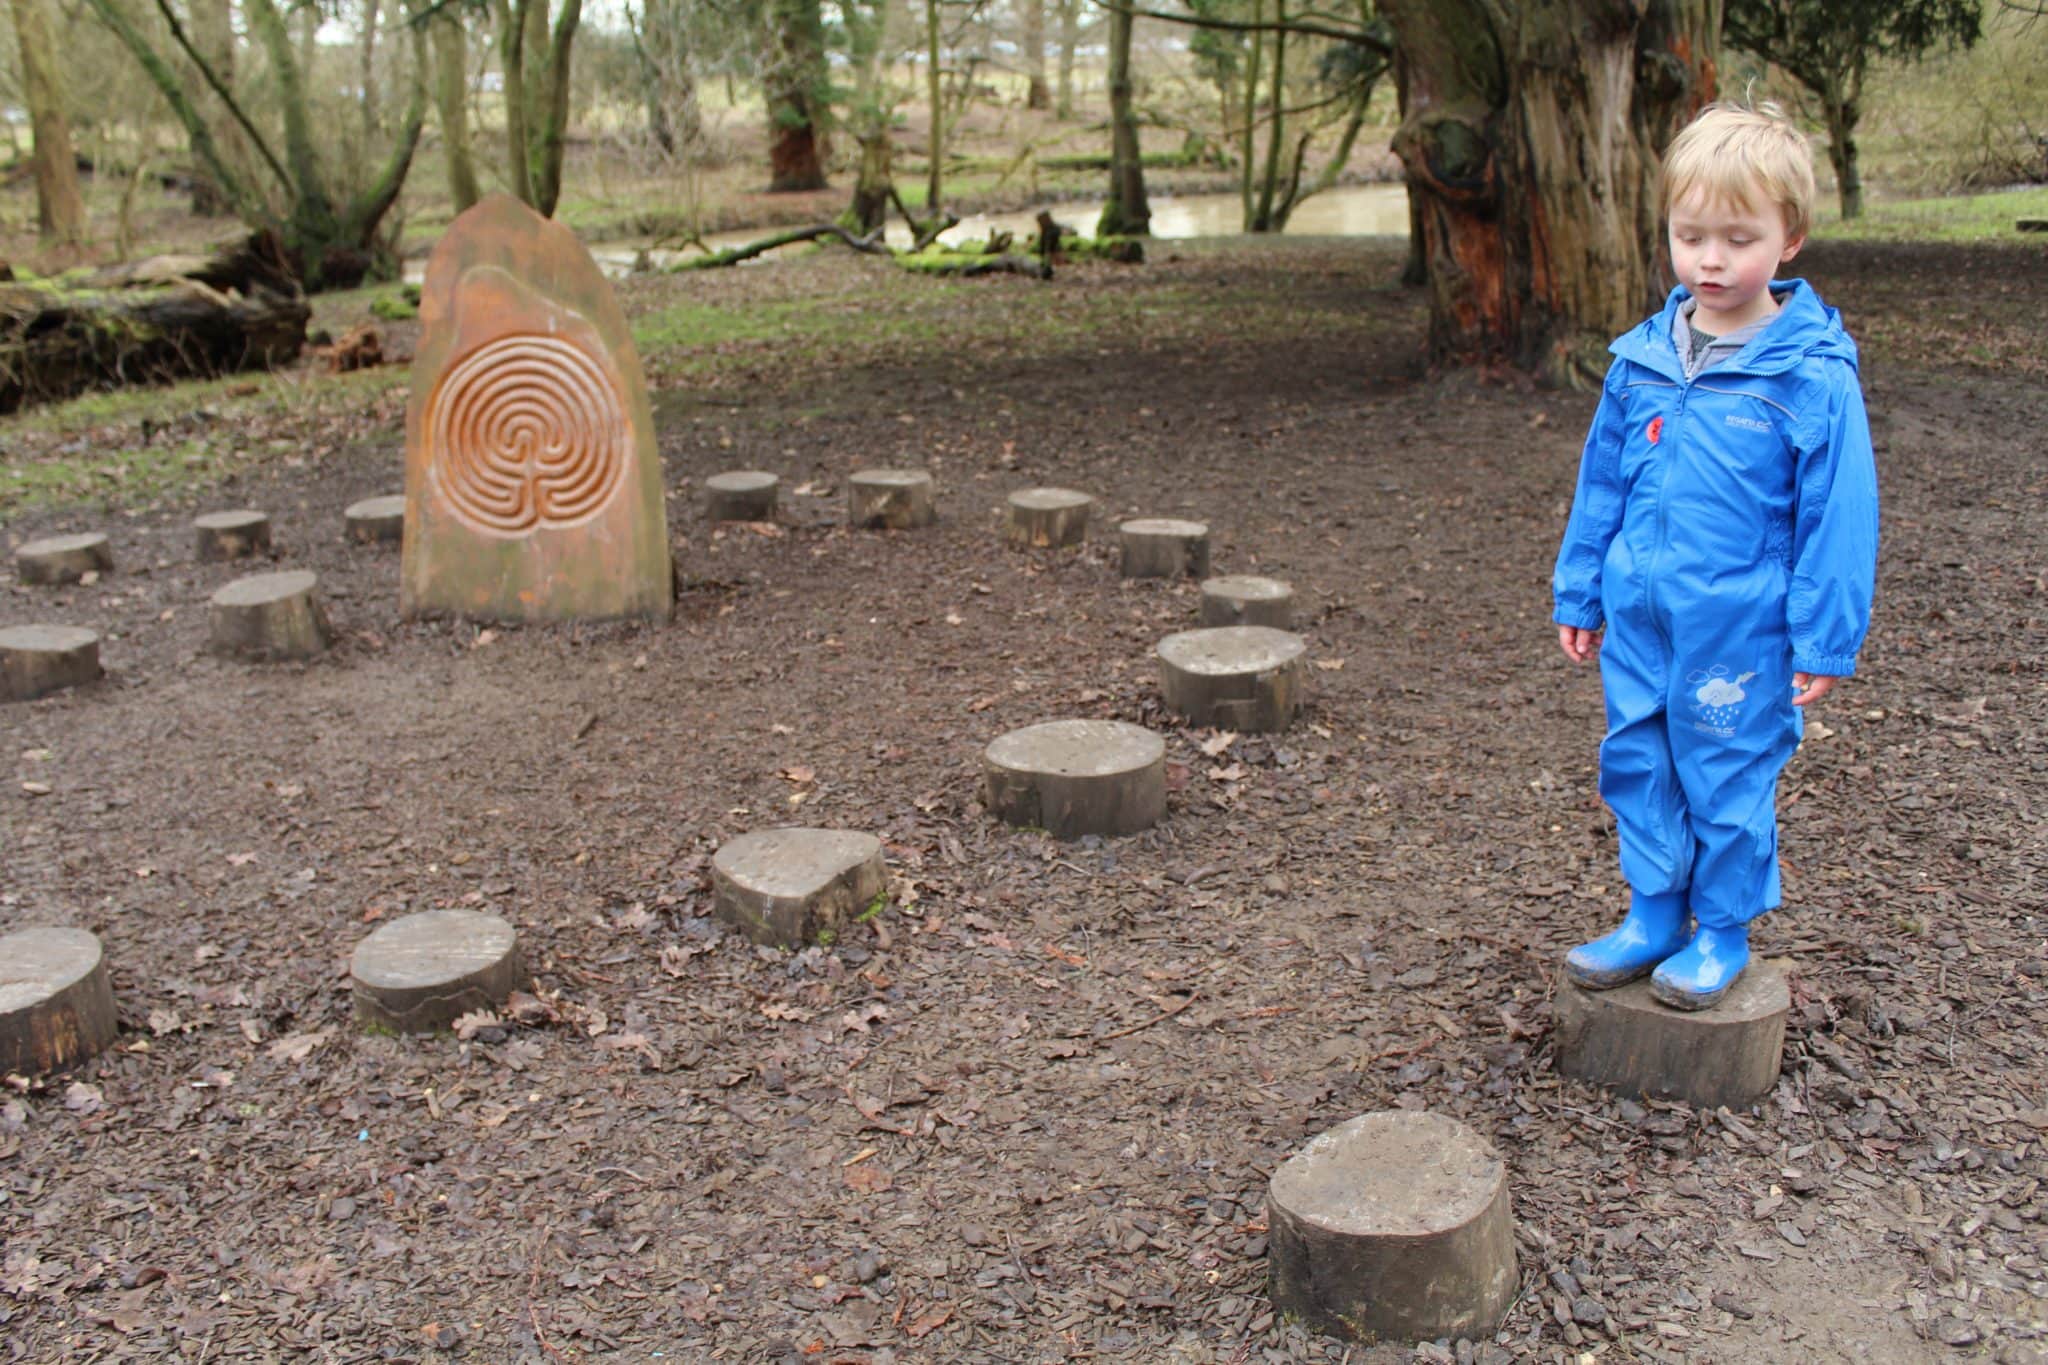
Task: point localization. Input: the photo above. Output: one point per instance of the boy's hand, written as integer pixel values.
(1578, 645)
(1810, 687)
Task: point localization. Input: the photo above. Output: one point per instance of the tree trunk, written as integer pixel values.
(1126, 214)
(451, 102)
(1842, 115)
(1263, 219)
(1070, 38)
(213, 33)
(1531, 144)
(1248, 166)
(795, 85)
(935, 177)
(60, 210)
(1037, 95)
(366, 70)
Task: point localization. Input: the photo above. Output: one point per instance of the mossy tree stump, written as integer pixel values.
(230, 535)
(376, 521)
(794, 886)
(1247, 600)
(1395, 1226)
(1076, 777)
(269, 616)
(63, 559)
(891, 499)
(1160, 547)
(1047, 518)
(421, 973)
(38, 660)
(1625, 1041)
(56, 1005)
(1246, 678)
(742, 495)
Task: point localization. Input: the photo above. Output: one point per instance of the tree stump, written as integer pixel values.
(895, 499)
(1076, 777)
(38, 660)
(1247, 600)
(1047, 518)
(270, 616)
(231, 535)
(1393, 1226)
(1163, 548)
(63, 559)
(742, 495)
(421, 973)
(1624, 1041)
(376, 521)
(1245, 678)
(794, 886)
(56, 1006)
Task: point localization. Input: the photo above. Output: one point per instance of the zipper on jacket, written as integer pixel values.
(1669, 433)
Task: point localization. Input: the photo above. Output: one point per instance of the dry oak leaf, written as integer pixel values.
(296, 1047)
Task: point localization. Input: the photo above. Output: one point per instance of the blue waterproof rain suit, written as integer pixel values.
(1725, 532)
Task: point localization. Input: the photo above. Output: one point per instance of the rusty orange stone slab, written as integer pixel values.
(533, 490)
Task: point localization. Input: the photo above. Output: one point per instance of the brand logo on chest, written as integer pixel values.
(1736, 419)
(1655, 431)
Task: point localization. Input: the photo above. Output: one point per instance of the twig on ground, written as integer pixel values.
(1161, 1017)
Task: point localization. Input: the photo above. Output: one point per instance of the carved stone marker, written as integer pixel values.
(533, 489)
(790, 886)
(1625, 1041)
(376, 521)
(230, 535)
(1247, 678)
(1047, 517)
(1076, 777)
(56, 1006)
(1159, 547)
(894, 499)
(1247, 600)
(63, 559)
(269, 616)
(421, 973)
(1394, 1226)
(38, 660)
(741, 495)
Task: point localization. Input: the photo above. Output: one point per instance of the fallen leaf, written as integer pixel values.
(36, 788)
(929, 1323)
(867, 1178)
(468, 1025)
(296, 1047)
(798, 774)
(241, 859)
(1218, 742)
(81, 1098)
(1330, 665)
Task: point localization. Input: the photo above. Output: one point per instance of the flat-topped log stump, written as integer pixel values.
(742, 495)
(38, 660)
(421, 973)
(1395, 1226)
(1160, 547)
(269, 616)
(1076, 777)
(230, 535)
(1247, 600)
(1047, 518)
(63, 559)
(794, 886)
(376, 521)
(56, 1005)
(1626, 1042)
(1246, 678)
(893, 499)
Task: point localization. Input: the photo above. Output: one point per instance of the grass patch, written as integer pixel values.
(1951, 218)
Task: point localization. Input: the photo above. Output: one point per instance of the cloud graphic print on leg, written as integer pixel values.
(1718, 700)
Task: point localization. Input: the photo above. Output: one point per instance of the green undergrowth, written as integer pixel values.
(1949, 218)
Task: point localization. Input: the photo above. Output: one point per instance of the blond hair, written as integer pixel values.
(1737, 154)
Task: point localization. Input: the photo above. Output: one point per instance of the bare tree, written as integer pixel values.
(60, 209)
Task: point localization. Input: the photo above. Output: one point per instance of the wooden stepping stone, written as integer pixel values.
(1076, 777)
(794, 886)
(230, 535)
(270, 616)
(742, 495)
(1247, 600)
(376, 521)
(38, 660)
(1395, 1226)
(1047, 518)
(1244, 678)
(421, 973)
(1628, 1043)
(1157, 547)
(896, 499)
(63, 559)
(56, 1006)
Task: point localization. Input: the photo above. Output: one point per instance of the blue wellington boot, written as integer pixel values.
(1653, 930)
(1700, 975)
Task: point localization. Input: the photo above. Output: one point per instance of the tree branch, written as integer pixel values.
(1357, 36)
(214, 83)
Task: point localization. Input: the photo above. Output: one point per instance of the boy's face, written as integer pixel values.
(1726, 252)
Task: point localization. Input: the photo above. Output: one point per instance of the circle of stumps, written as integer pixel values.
(1076, 777)
(56, 1004)
(1162, 547)
(1047, 518)
(269, 616)
(376, 521)
(230, 535)
(794, 886)
(63, 559)
(890, 499)
(742, 495)
(1627, 1042)
(1247, 600)
(1393, 1226)
(1245, 678)
(38, 660)
(421, 973)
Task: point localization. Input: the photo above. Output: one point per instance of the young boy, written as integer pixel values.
(1724, 536)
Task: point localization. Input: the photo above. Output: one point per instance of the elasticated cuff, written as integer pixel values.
(1583, 618)
(1827, 665)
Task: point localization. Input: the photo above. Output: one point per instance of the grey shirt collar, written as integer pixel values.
(1697, 351)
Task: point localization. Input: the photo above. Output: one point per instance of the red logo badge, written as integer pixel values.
(1656, 429)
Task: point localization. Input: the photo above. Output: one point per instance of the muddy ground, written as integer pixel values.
(1028, 1113)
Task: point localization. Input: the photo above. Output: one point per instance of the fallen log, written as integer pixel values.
(734, 255)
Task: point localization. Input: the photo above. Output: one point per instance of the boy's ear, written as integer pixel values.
(1792, 249)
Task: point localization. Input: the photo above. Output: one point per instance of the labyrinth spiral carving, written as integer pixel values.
(527, 432)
